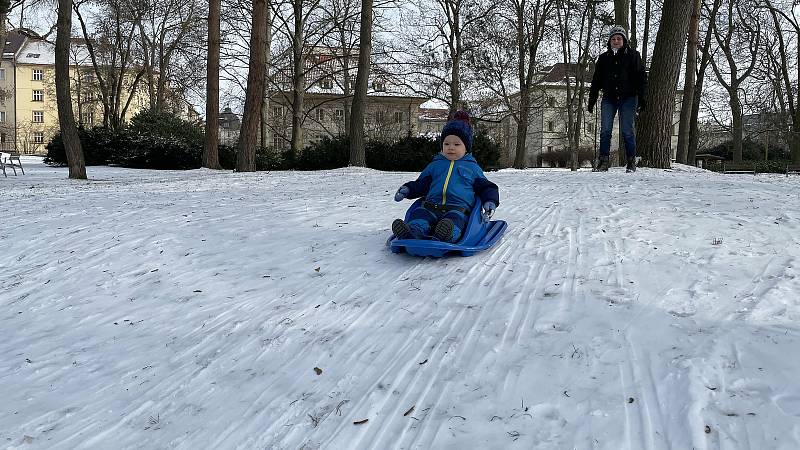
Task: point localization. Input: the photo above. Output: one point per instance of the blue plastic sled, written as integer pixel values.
(478, 236)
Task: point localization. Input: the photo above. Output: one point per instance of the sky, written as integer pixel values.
(212, 309)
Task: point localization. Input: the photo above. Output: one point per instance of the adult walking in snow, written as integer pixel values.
(620, 74)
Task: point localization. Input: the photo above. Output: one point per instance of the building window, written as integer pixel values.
(319, 113)
(277, 111)
(88, 77)
(38, 116)
(549, 148)
(88, 96)
(38, 95)
(338, 114)
(32, 55)
(326, 83)
(276, 141)
(2, 138)
(2, 117)
(380, 86)
(551, 101)
(551, 126)
(38, 74)
(589, 127)
(2, 74)
(379, 116)
(38, 137)
(398, 117)
(88, 118)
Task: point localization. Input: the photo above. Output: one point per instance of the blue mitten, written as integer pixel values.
(401, 193)
(488, 210)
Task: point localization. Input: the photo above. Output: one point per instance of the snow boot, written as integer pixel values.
(631, 166)
(444, 230)
(401, 229)
(602, 165)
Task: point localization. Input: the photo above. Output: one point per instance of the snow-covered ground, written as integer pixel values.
(219, 310)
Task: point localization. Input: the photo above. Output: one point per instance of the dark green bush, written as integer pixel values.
(486, 151)
(563, 157)
(227, 156)
(751, 151)
(328, 153)
(98, 144)
(160, 141)
(771, 166)
(409, 154)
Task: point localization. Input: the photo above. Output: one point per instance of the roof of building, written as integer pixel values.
(325, 68)
(558, 72)
(35, 50)
(14, 40)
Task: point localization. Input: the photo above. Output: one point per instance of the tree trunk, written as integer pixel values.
(66, 120)
(621, 10)
(248, 138)
(656, 122)
(646, 33)
(265, 134)
(298, 79)
(520, 159)
(211, 144)
(632, 33)
(737, 125)
(796, 121)
(688, 86)
(694, 132)
(357, 153)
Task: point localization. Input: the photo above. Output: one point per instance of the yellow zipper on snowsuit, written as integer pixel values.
(447, 180)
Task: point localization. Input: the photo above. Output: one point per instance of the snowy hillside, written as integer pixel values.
(201, 309)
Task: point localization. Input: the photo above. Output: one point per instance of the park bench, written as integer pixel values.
(743, 167)
(12, 161)
(792, 169)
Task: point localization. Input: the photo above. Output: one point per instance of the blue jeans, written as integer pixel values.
(627, 114)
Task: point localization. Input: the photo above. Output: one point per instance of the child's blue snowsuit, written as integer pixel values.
(449, 188)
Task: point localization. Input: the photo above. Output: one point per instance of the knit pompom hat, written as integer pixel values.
(618, 29)
(459, 126)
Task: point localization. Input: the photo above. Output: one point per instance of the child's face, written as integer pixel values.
(453, 148)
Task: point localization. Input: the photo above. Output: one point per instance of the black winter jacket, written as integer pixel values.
(619, 76)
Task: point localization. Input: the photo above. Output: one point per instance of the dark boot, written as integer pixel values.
(401, 229)
(602, 165)
(444, 231)
(631, 167)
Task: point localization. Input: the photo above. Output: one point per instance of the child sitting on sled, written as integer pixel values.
(449, 184)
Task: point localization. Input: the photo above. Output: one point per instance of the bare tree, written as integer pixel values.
(791, 92)
(265, 128)
(688, 84)
(251, 119)
(171, 40)
(437, 68)
(211, 143)
(66, 120)
(705, 51)
(112, 53)
(654, 126)
(738, 35)
(506, 62)
(646, 32)
(357, 154)
(577, 72)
